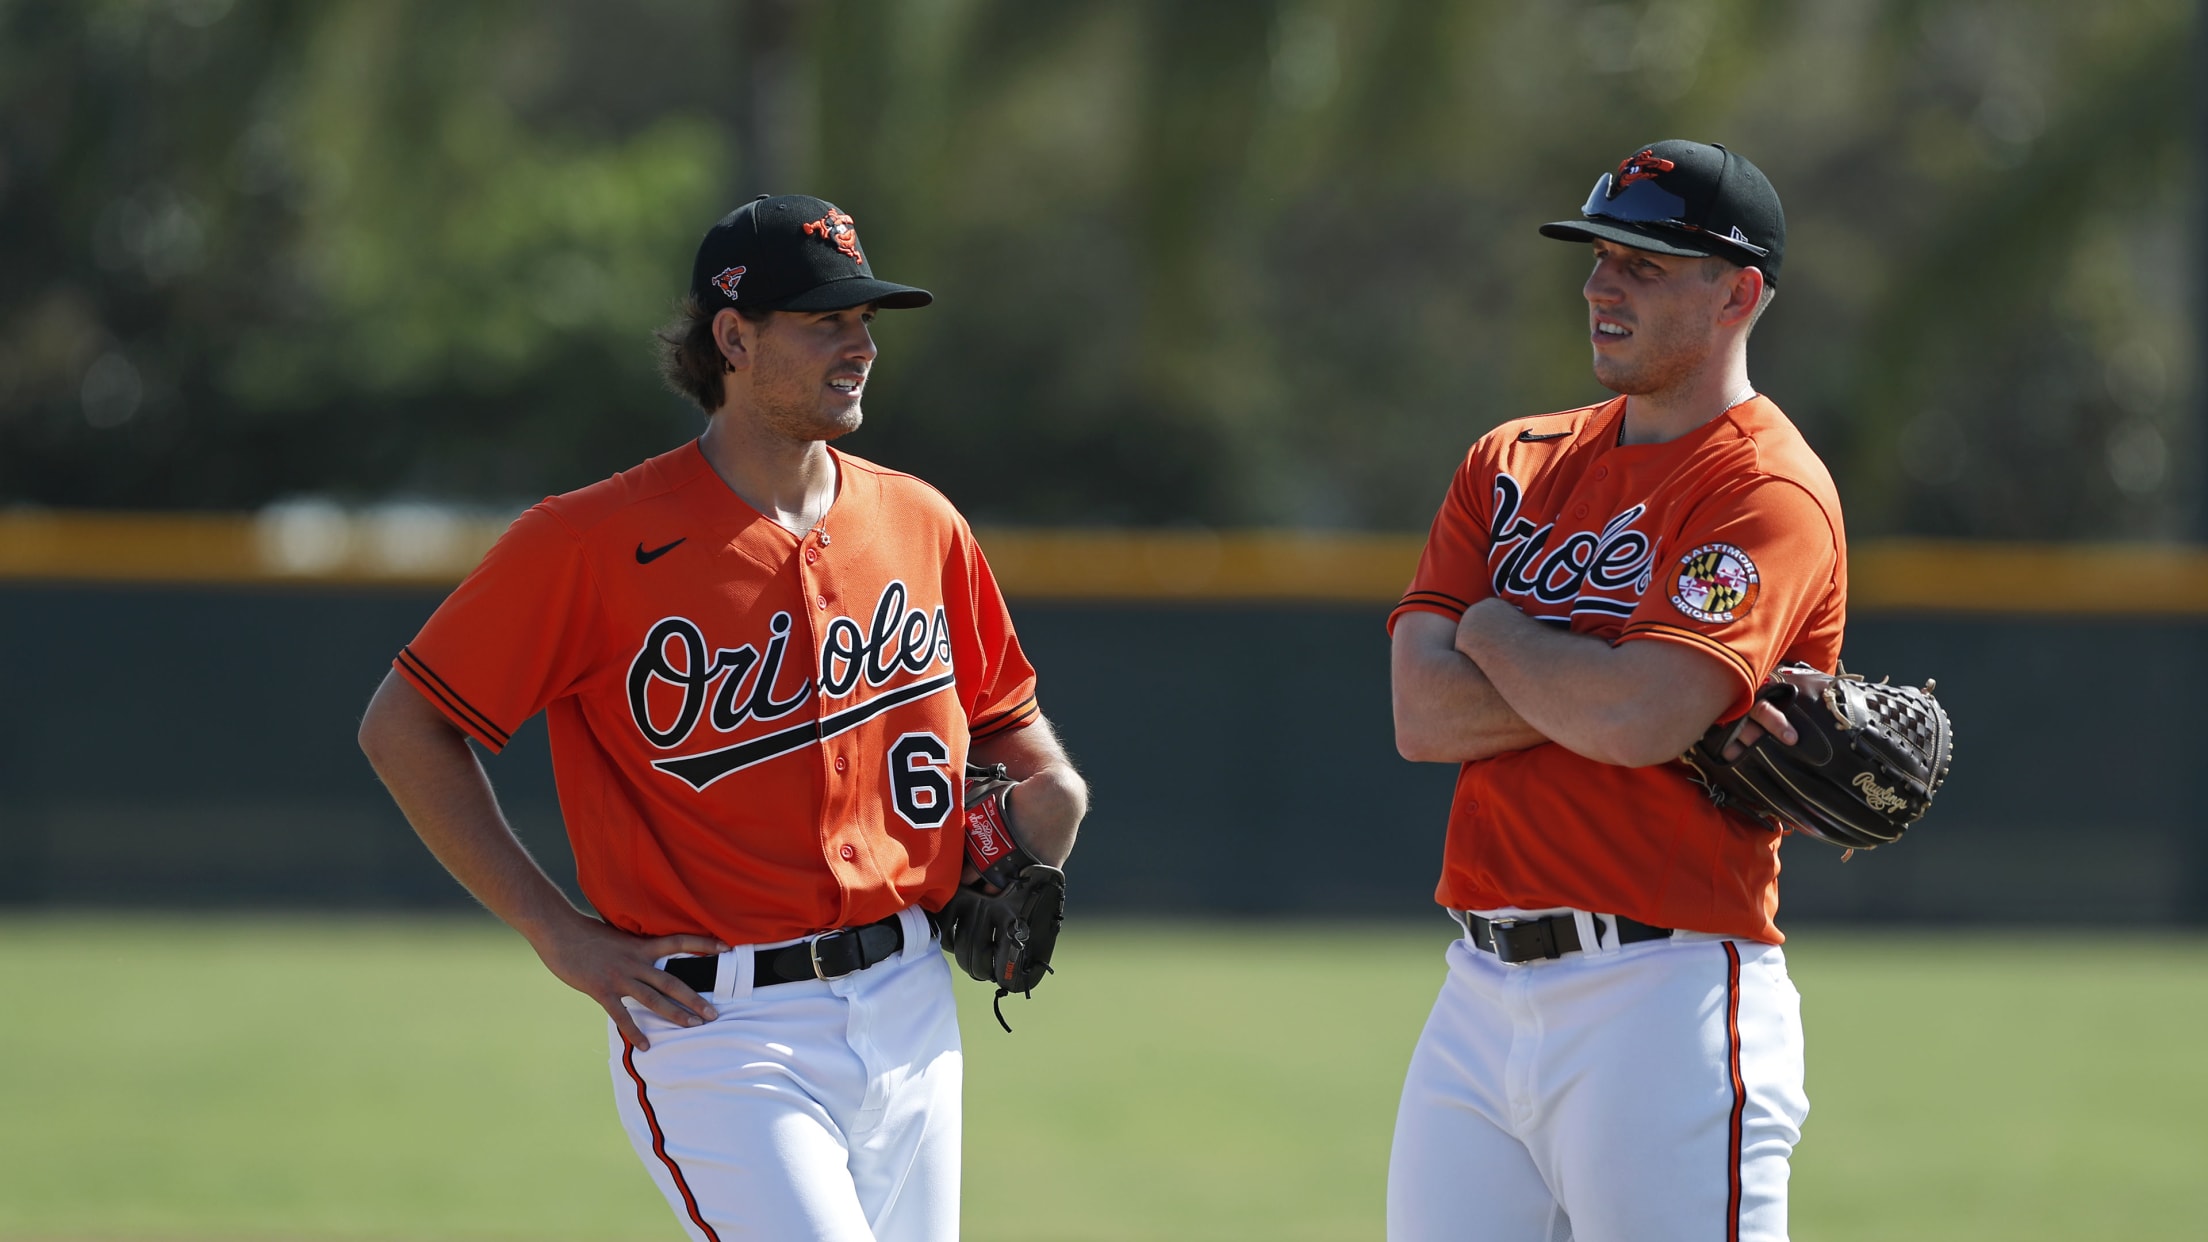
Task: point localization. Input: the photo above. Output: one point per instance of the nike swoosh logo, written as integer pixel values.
(646, 558)
(1529, 436)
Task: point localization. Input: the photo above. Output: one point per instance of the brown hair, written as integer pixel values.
(689, 358)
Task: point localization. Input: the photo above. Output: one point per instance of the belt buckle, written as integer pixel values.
(1496, 928)
(1538, 945)
(812, 950)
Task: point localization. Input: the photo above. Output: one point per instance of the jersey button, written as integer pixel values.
(842, 763)
(811, 555)
(848, 853)
(1580, 511)
(821, 600)
(1602, 472)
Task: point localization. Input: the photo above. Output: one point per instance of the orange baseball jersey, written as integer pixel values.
(756, 736)
(1727, 540)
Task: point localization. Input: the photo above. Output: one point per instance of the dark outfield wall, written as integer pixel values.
(194, 747)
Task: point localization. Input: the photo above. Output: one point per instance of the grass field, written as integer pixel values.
(424, 1080)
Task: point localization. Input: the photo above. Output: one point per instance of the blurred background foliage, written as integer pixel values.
(1239, 262)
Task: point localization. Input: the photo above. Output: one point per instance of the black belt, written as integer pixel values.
(829, 955)
(1529, 940)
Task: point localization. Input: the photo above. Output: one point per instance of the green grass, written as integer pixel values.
(420, 1080)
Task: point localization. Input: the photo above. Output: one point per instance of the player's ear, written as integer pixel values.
(734, 343)
(1744, 288)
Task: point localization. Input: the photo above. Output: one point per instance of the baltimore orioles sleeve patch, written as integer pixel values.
(1717, 583)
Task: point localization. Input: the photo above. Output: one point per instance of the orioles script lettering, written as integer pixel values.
(1618, 557)
(727, 686)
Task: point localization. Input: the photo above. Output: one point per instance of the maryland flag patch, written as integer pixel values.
(1717, 583)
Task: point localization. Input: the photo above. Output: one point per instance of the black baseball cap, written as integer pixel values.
(1686, 198)
(791, 252)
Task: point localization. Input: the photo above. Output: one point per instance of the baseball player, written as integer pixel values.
(764, 665)
(1616, 1052)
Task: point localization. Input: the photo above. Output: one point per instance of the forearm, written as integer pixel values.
(1632, 705)
(1446, 709)
(430, 771)
(447, 797)
(1047, 806)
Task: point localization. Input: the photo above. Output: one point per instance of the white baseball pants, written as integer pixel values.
(1644, 1093)
(818, 1110)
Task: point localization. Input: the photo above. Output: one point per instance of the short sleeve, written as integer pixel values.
(1000, 696)
(518, 633)
(1452, 568)
(1747, 572)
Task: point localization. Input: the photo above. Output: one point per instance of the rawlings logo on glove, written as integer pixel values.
(1002, 927)
(1863, 768)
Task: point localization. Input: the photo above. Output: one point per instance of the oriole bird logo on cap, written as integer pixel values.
(1641, 167)
(840, 229)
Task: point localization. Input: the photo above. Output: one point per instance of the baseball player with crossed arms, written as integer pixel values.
(764, 665)
(1616, 1052)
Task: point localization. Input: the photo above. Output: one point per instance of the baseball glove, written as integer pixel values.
(1868, 761)
(1002, 927)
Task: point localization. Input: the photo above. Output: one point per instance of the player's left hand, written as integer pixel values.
(1763, 718)
(1865, 765)
(1002, 923)
(1006, 938)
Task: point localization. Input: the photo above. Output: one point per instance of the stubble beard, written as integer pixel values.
(790, 406)
(803, 422)
(1666, 364)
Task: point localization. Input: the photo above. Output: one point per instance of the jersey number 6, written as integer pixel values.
(920, 780)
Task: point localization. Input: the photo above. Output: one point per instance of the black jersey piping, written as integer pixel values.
(429, 680)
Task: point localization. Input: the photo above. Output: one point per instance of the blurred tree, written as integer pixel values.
(353, 247)
(1250, 261)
